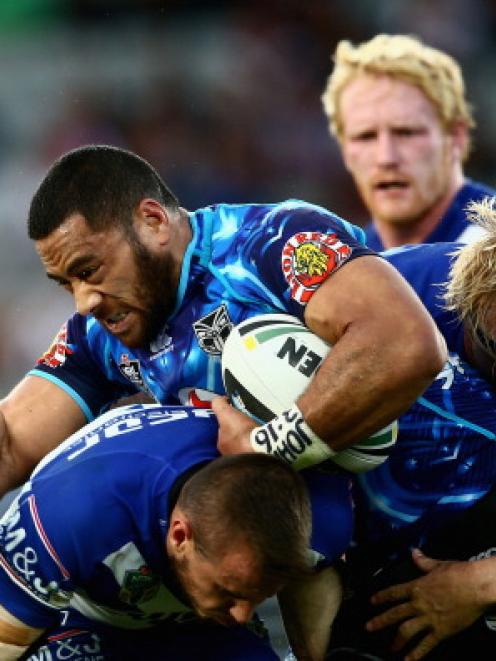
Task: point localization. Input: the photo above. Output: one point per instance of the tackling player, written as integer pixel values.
(135, 540)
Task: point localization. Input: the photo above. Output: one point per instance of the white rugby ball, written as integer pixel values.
(268, 361)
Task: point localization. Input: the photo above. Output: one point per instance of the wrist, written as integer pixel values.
(290, 438)
(484, 582)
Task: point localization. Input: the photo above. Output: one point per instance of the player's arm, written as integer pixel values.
(35, 417)
(386, 350)
(15, 636)
(308, 608)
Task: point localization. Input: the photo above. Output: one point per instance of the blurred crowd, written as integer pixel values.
(222, 97)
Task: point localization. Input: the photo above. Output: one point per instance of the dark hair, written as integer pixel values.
(255, 498)
(104, 184)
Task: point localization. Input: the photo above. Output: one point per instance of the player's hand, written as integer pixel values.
(234, 428)
(441, 603)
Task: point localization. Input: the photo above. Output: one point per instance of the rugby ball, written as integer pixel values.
(268, 361)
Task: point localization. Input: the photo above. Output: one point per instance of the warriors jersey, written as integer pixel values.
(426, 267)
(243, 260)
(444, 461)
(86, 536)
(454, 225)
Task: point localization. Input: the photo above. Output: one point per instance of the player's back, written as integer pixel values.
(426, 267)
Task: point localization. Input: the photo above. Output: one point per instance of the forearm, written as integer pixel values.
(483, 579)
(361, 387)
(385, 351)
(308, 609)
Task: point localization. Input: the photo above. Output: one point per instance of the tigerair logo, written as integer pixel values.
(308, 258)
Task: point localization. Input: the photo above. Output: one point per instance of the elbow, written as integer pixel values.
(427, 354)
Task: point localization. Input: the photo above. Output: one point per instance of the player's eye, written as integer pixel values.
(86, 273)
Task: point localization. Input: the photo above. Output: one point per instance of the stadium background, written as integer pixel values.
(222, 97)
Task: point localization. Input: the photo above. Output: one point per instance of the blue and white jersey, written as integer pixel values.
(426, 267)
(444, 460)
(243, 260)
(454, 225)
(86, 537)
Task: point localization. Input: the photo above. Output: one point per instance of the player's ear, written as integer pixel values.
(180, 534)
(459, 135)
(151, 221)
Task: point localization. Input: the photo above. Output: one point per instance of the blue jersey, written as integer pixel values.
(243, 260)
(444, 461)
(454, 225)
(87, 533)
(426, 267)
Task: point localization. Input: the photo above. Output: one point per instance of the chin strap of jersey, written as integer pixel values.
(289, 437)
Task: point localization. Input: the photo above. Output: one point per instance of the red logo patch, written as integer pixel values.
(307, 260)
(58, 351)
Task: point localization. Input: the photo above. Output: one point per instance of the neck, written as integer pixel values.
(418, 230)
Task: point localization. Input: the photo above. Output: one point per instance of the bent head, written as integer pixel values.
(398, 110)
(109, 231)
(240, 530)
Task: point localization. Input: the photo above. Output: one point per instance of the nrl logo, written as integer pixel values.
(139, 585)
(212, 330)
(131, 370)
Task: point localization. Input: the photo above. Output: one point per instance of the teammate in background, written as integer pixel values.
(157, 289)
(436, 490)
(135, 540)
(398, 110)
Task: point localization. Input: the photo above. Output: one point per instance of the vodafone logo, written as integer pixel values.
(308, 258)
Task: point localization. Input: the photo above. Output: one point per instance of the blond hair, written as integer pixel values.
(406, 58)
(471, 287)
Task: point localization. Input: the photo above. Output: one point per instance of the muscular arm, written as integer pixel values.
(35, 417)
(386, 350)
(308, 608)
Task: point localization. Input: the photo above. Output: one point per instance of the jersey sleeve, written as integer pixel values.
(34, 583)
(82, 370)
(298, 247)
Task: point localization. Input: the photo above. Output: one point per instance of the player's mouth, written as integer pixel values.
(391, 185)
(117, 323)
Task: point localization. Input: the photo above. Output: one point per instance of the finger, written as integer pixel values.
(394, 593)
(391, 616)
(423, 561)
(409, 629)
(423, 648)
(220, 404)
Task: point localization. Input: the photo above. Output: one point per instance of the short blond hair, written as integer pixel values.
(404, 57)
(471, 287)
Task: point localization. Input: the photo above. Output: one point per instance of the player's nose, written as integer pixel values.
(85, 298)
(242, 611)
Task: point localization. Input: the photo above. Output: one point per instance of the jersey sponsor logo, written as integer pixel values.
(196, 397)
(130, 368)
(212, 330)
(23, 561)
(161, 344)
(307, 260)
(58, 351)
(75, 644)
(140, 585)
